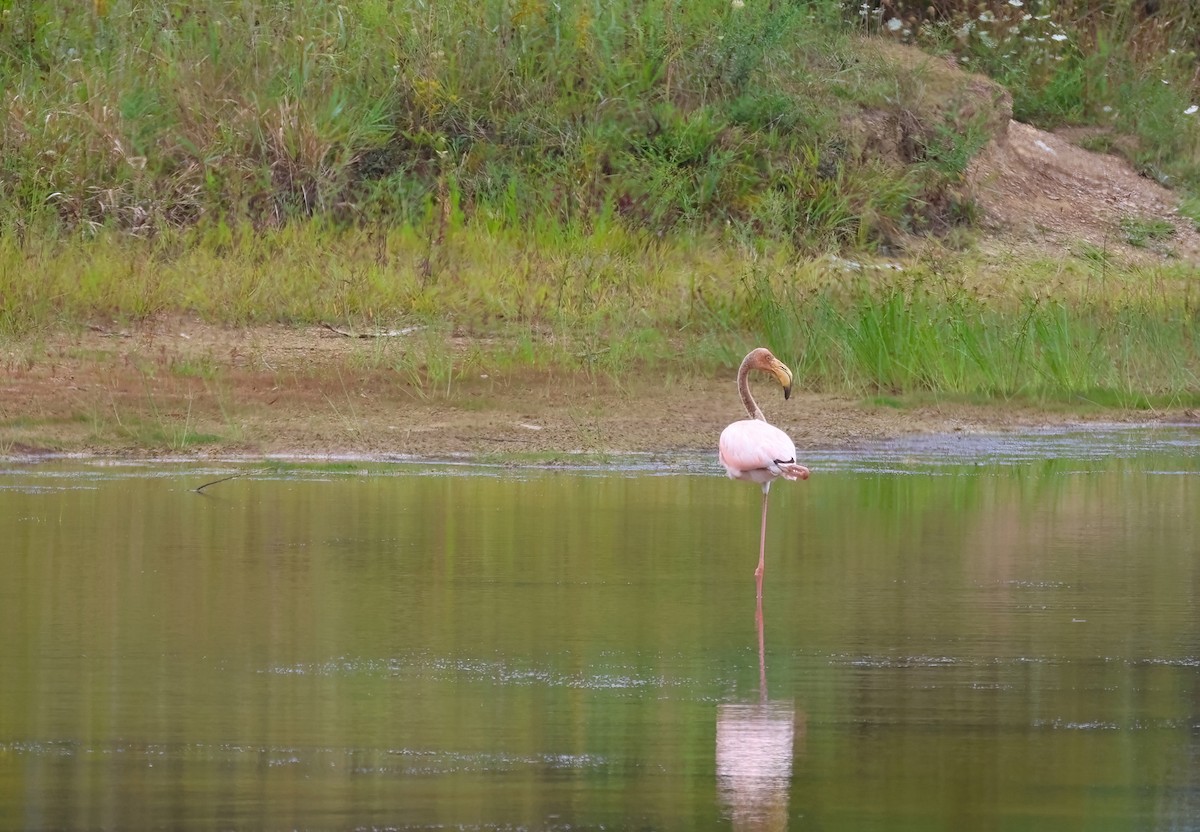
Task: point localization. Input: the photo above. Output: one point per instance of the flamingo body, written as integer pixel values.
(759, 452)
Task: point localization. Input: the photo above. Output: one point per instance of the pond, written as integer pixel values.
(956, 633)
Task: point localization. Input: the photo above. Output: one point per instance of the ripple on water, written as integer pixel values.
(356, 760)
(443, 668)
(903, 662)
(893, 661)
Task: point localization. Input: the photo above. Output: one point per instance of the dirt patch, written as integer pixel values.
(187, 387)
(1031, 186)
(1038, 186)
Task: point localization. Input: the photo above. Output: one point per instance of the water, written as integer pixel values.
(957, 633)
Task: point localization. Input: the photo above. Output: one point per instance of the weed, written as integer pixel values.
(204, 367)
(888, 342)
(1190, 208)
(1141, 231)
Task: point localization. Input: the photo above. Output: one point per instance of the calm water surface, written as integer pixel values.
(957, 633)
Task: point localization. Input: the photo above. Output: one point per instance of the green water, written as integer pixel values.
(958, 634)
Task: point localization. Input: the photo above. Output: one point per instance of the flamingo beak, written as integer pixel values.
(784, 375)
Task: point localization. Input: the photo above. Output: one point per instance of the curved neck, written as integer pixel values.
(743, 381)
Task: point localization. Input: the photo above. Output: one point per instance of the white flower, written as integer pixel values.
(737, 4)
(986, 16)
(1165, 81)
(1058, 36)
(1191, 111)
(1016, 3)
(1106, 108)
(894, 24)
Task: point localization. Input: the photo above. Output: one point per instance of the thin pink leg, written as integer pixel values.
(762, 545)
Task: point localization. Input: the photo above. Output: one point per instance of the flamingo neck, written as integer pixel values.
(743, 381)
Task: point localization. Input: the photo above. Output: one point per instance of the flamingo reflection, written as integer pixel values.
(754, 753)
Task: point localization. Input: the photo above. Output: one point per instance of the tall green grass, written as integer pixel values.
(148, 114)
(1133, 350)
(142, 115)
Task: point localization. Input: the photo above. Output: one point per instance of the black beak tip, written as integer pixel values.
(787, 393)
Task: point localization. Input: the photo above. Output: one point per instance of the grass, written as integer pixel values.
(1128, 346)
(1087, 328)
(204, 367)
(1142, 231)
(148, 116)
(1190, 207)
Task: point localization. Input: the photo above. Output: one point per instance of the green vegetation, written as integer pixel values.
(945, 339)
(1127, 66)
(144, 116)
(591, 187)
(1141, 231)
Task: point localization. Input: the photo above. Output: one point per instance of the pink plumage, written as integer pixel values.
(759, 452)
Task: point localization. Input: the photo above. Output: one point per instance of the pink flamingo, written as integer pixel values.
(752, 449)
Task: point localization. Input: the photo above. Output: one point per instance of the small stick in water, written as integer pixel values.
(200, 490)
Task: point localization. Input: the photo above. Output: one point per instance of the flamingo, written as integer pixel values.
(755, 450)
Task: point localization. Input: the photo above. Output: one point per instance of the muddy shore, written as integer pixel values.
(187, 387)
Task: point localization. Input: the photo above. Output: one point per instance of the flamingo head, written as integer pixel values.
(762, 359)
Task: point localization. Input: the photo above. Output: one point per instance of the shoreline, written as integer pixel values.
(185, 389)
(918, 447)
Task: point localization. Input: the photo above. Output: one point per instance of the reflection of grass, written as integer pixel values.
(283, 467)
(545, 458)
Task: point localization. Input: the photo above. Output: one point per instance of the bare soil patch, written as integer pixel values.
(1038, 186)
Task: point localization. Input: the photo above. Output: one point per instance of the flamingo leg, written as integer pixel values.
(762, 542)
